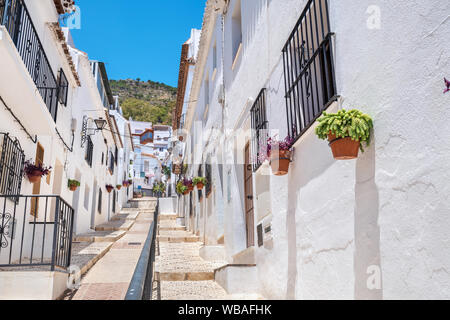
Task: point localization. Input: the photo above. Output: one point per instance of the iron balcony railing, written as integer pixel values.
(308, 68)
(15, 17)
(35, 230)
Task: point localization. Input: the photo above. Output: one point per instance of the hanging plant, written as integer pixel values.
(125, 183)
(279, 154)
(188, 183)
(34, 172)
(199, 182)
(118, 187)
(345, 130)
(130, 181)
(181, 188)
(109, 188)
(166, 171)
(73, 184)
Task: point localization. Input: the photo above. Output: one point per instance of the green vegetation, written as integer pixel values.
(198, 180)
(353, 124)
(145, 101)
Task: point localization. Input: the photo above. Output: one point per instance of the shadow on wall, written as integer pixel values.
(367, 260)
(303, 169)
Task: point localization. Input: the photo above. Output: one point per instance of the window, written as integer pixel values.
(208, 177)
(63, 87)
(99, 206)
(308, 68)
(116, 155)
(207, 89)
(111, 163)
(259, 126)
(89, 151)
(215, 55)
(200, 194)
(12, 159)
(103, 157)
(236, 30)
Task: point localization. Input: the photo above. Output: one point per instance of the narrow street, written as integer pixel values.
(181, 274)
(110, 277)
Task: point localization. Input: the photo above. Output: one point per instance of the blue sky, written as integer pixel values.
(137, 39)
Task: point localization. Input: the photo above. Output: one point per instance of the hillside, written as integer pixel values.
(145, 101)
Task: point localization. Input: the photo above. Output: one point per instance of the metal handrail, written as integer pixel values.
(141, 283)
(23, 235)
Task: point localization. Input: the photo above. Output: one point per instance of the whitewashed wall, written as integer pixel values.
(332, 220)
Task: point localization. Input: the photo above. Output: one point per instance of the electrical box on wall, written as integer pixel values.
(264, 233)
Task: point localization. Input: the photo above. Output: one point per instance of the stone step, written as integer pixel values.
(100, 236)
(124, 215)
(163, 217)
(192, 290)
(185, 276)
(172, 239)
(175, 228)
(115, 225)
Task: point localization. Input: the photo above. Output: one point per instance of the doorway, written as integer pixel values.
(248, 194)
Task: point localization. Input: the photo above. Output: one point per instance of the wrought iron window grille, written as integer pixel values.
(309, 76)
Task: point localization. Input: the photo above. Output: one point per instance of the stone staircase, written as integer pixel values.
(180, 272)
(88, 248)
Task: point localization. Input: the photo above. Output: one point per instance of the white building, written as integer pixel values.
(371, 228)
(51, 95)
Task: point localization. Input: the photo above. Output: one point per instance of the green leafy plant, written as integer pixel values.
(166, 171)
(73, 183)
(181, 188)
(353, 124)
(198, 180)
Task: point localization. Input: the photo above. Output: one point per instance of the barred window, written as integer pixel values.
(89, 151)
(259, 126)
(208, 177)
(99, 205)
(12, 159)
(308, 68)
(200, 193)
(63, 87)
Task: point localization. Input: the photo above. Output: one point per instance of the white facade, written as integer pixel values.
(371, 228)
(53, 136)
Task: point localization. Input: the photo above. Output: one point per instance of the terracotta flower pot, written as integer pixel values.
(73, 188)
(35, 176)
(190, 187)
(200, 186)
(343, 148)
(279, 161)
(109, 189)
(186, 192)
(118, 187)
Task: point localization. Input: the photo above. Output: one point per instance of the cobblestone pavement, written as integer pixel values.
(180, 271)
(110, 277)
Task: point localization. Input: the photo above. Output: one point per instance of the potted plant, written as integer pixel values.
(345, 130)
(109, 188)
(73, 184)
(181, 188)
(279, 154)
(199, 182)
(166, 171)
(130, 181)
(118, 187)
(188, 183)
(35, 172)
(177, 169)
(125, 183)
